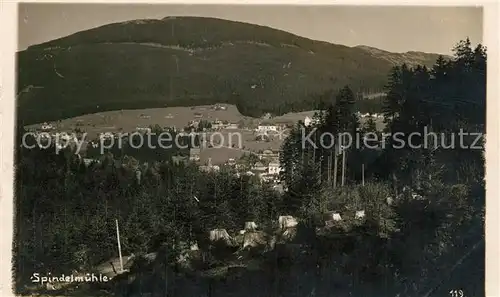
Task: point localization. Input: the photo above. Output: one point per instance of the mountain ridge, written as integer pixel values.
(169, 18)
(193, 61)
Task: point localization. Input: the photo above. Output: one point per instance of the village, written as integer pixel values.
(249, 146)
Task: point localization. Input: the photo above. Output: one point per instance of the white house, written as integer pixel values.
(217, 124)
(265, 177)
(336, 217)
(274, 168)
(360, 214)
(106, 135)
(267, 128)
(46, 126)
(259, 167)
(194, 154)
(143, 129)
(287, 222)
(269, 154)
(307, 121)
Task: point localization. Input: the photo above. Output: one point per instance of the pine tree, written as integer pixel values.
(344, 115)
(370, 126)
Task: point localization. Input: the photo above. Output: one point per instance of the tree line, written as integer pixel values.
(445, 99)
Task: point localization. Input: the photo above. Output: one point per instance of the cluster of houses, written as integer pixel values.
(46, 135)
(215, 125)
(279, 126)
(266, 172)
(370, 115)
(308, 121)
(267, 168)
(221, 125)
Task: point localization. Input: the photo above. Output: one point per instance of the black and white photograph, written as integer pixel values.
(223, 150)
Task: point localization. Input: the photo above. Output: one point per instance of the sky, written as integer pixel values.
(391, 28)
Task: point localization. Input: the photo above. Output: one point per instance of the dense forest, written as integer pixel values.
(65, 211)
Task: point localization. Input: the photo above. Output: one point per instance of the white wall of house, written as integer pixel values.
(267, 128)
(307, 121)
(274, 168)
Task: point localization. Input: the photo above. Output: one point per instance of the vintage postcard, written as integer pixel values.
(191, 150)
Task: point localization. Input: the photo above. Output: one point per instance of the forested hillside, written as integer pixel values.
(188, 61)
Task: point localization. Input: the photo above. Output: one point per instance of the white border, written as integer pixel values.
(8, 46)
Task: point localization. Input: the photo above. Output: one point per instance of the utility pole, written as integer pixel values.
(119, 245)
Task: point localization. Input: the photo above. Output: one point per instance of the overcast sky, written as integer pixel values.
(396, 29)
